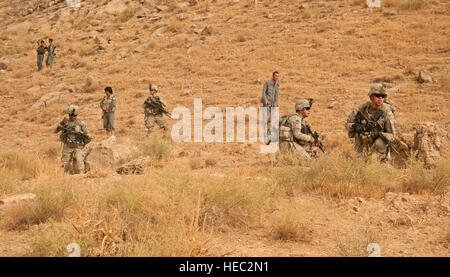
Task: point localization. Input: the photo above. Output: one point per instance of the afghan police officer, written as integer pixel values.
(74, 137)
(50, 53)
(373, 125)
(295, 132)
(40, 54)
(155, 112)
(108, 106)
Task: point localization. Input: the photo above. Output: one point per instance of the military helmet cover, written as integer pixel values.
(301, 104)
(153, 87)
(377, 89)
(72, 110)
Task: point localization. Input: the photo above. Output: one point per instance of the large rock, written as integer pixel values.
(51, 97)
(430, 142)
(110, 154)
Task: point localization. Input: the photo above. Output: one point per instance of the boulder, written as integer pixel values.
(430, 142)
(48, 98)
(109, 154)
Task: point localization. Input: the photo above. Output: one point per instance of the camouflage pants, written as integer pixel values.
(367, 146)
(49, 61)
(160, 120)
(40, 59)
(306, 151)
(108, 121)
(77, 153)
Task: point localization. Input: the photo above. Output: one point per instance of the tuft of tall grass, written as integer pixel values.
(356, 244)
(413, 4)
(420, 179)
(288, 227)
(157, 148)
(50, 203)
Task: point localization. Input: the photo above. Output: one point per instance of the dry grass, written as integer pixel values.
(51, 202)
(336, 175)
(165, 215)
(288, 226)
(355, 244)
(413, 4)
(157, 148)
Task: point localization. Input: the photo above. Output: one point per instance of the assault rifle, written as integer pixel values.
(373, 127)
(158, 106)
(315, 136)
(79, 138)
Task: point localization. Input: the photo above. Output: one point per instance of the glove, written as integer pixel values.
(358, 128)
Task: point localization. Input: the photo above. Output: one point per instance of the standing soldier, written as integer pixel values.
(155, 112)
(269, 97)
(373, 125)
(108, 106)
(74, 137)
(40, 54)
(51, 53)
(295, 133)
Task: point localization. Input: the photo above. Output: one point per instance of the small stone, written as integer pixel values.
(424, 77)
(161, 8)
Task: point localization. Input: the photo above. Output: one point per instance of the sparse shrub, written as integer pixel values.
(127, 14)
(24, 166)
(232, 202)
(413, 4)
(420, 179)
(196, 163)
(157, 148)
(355, 244)
(50, 203)
(337, 176)
(287, 227)
(53, 240)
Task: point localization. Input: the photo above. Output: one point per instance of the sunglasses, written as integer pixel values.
(379, 95)
(308, 108)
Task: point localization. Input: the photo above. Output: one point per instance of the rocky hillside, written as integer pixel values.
(222, 51)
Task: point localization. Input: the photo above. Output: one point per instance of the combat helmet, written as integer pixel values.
(377, 89)
(303, 103)
(153, 87)
(72, 110)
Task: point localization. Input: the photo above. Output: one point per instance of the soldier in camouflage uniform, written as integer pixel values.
(50, 53)
(74, 137)
(373, 125)
(153, 115)
(108, 106)
(295, 132)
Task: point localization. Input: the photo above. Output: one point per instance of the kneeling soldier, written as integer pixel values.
(373, 125)
(295, 133)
